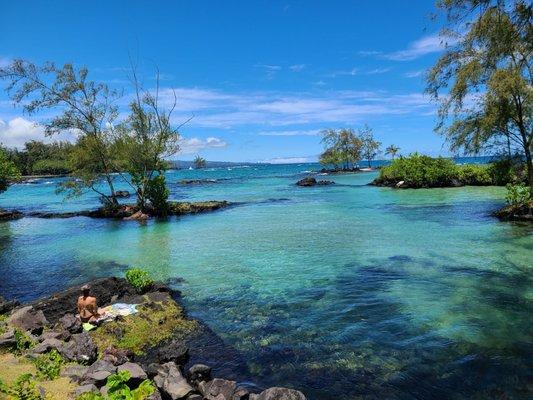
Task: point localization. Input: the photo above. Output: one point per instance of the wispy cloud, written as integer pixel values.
(310, 132)
(378, 71)
(270, 69)
(297, 67)
(414, 74)
(418, 48)
(290, 160)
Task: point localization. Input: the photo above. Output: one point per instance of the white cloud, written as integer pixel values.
(414, 74)
(297, 67)
(418, 48)
(17, 131)
(378, 71)
(310, 132)
(194, 145)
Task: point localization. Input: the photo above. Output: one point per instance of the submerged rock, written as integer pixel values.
(6, 215)
(277, 393)
(122, 193)
(218, 389)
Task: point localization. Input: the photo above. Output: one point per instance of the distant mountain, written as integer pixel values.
(180, 164)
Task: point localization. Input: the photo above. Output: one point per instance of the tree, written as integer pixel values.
(392, 150)
(483, 82)
(199, 162)
(342, 147)
(8, 171)
(370, 146)
(144, 141)
(85, 107)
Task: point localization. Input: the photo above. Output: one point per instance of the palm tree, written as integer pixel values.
(392, 150)
(199, 162)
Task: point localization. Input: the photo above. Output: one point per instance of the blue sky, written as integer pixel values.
(261, 78)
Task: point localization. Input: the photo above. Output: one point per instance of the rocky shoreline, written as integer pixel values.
(50, 325)
(516, 213)
(125, 212)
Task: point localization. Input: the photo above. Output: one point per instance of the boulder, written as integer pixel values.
(63, 335)
(218, 389)
(7, 305)
(74, 372)
(80, 348)
(116, 356)
(277, 393)
(70, 323)
(172, 351)
(135, 370)
(85, 389)
(48, 345)
(7, 339)
(98, 378)
(323, 183)
(199, 373)
(28, 319)
(171, 382)
(241, 394)
(308, 181)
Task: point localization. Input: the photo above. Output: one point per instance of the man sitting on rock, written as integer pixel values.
(87, 309)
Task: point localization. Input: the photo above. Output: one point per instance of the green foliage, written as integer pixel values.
(392, 150)
(23, 388)
(370, 146)
(419, 171)
(489, 61)
(517, 194)
(51, 167)
(508, 170)
(23, 342)
(49, 365)
(117, 389)
(474, 174)
(342, 148)
(157, 194)
(42, 158)
(8, 171)
(139, 279)
(199, 162)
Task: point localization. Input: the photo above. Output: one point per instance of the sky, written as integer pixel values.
(260, 79)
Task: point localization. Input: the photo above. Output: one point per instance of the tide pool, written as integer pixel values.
(344, 292)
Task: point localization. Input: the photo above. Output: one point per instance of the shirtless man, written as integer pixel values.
(87, 308)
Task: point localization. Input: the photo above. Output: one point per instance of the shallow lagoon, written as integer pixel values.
(346, 291)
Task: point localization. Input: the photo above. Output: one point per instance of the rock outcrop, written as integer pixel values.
(310, 181)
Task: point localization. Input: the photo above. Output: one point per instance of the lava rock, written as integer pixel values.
(135, 370)
(309, 181)
(173, 351)
(277, 393)
(218, 389)
(85, 389)
(199, 373)
(48, 345)
(7, 305)
(170, 381)
(28, 319)
(122, 193)
(70, 323)
(7, 339)
(80, 348)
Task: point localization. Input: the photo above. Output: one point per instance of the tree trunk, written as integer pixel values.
(529, 163)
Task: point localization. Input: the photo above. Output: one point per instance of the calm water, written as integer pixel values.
(345, 292)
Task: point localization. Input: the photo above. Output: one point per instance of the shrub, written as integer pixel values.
(49, 365)
(117, 389)
(517, 194)
(157, 194)
(475, 174)
(23, 388)
(23, 342)
(51, 166)
(139, 279)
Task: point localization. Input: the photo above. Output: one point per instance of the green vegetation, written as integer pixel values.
(370, 145)
(139, 279)
(135, 149)
(490, 62)
(23, 388)
(343, 148)
(199, 162)
(118, 389)
(8, 171)
(136, 332)
(23, 342)
(38, 158)
(49, 365)
(517, 194)
(419, 171)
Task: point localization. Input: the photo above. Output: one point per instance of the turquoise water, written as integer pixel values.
(345, 292)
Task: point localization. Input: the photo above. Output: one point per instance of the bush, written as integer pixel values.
(508, 170)
(23, 388)
(517, 194)
(52, 167)
(117, 389)
(23, 342)
(49, 365)
(474, 174)
(139, 279)
(157, 194)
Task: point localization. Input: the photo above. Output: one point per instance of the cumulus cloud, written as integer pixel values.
(17, 131)
(194, 145)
